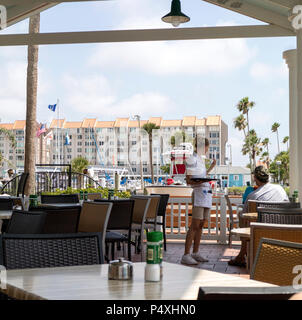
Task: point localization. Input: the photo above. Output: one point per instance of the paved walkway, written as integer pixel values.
(217, 254)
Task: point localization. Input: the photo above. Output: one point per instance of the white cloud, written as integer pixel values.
(93, 96)
(170, 58)
(264, 72)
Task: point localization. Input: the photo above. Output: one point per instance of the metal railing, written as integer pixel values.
(178, 216)
(51, 181)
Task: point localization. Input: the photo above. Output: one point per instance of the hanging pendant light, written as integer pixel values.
(175, 17)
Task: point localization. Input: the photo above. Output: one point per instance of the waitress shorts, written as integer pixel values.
(200, 213)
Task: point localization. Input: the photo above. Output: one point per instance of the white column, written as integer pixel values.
(299, 109)
(290, 57)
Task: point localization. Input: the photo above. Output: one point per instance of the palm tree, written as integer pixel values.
(275, 127)
(265, 155)
(149, 127)
(244, 106)
(31, 106)
(12, 142)
(180, 136)
(252, 145)
(240, 124)
(285, 140)
(78, 164)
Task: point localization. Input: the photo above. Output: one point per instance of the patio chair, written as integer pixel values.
(25, 222)
(94, 196)
(6, 203)
(286, 232)
(60, 220)
(282, 204)
(162, 207)
(232, 221)
(119, 227)
(280, 215)
(244, 293)
(151, 217)
(140, 209)
(94, 218)
(24, 251)
(62, 198)
(275, 261)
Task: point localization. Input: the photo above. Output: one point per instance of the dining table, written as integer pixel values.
(90, 282)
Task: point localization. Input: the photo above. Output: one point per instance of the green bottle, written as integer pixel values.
(81, 195)
(85, 195)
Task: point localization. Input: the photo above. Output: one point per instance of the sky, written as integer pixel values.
(171, 79)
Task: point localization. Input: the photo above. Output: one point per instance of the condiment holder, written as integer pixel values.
(120, 269)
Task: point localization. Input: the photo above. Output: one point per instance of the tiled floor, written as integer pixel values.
(217, 254)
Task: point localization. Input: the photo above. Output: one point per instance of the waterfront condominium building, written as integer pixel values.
(119, 143)
(14, 157)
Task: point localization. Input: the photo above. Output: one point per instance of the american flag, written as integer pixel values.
(41, 130)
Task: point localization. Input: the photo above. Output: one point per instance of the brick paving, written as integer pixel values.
(217, 254)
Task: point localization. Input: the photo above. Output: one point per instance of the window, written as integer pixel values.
(145, 169)
(236, 177)
(79, 150)
(224, 177)
(134, 169)
(79, 143)
(80, 137)
(133, 143)
(101, 143)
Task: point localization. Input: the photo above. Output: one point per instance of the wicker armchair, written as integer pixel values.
(275, 261)
(273, 231)
(280, 215)
(24, 251)
(26, 222)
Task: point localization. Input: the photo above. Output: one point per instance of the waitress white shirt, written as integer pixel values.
(195, 166)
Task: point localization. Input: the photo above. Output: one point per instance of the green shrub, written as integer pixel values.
(103, 191)
(236, 190)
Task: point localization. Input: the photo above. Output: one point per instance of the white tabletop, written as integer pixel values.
(5, 214)
(91, 282)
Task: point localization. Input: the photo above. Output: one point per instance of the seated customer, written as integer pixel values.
(249, 189)
(265, 192)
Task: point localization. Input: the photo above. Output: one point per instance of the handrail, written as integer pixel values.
(9, 182)
(50, 181)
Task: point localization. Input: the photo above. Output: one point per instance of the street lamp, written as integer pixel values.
(138, 118)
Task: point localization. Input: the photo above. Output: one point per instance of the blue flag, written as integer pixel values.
(52, 107)
(67, 140)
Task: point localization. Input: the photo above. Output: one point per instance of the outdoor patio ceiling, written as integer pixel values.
(274, 13)
(18, 10)
(270, 11)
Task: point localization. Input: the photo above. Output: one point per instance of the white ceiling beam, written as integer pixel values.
(286, 3)
(144, 35)
(17, 2)
(20, 12)
(255, 12)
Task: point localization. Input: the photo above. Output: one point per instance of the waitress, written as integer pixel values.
(201, 200)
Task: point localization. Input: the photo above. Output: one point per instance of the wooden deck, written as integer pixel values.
(217, 254)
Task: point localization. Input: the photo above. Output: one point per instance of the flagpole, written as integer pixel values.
(58, 132)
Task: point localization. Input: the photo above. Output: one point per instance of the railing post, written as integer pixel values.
(69, 176)
(223, 221)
